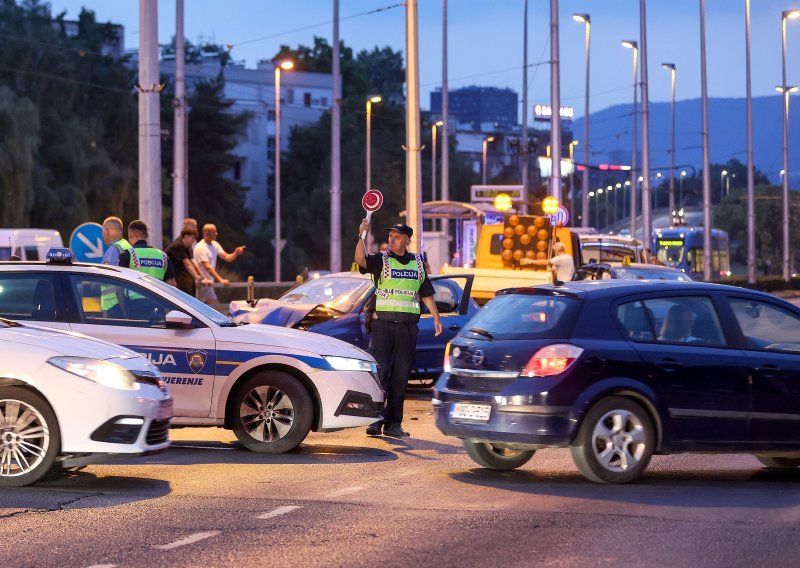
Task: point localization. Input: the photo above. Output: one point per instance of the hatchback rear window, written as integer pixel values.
(525, 316)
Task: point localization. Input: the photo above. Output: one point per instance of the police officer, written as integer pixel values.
(401, 281)
(117, 244)
(145, 258)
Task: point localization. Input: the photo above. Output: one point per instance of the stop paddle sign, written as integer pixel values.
(372, 201)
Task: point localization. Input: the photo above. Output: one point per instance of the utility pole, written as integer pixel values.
(706, 160)
(149, 122)
(180, 201)
(647, 229)
(336, 151)
(555, 103)
(523, 143)
(751, 201)
(413, 145)
(445, 127)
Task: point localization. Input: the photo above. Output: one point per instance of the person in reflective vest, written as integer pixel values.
(145, 258)
(401, 283)
(117, 244)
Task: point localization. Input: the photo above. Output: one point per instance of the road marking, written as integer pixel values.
(345, 491)
(177, 444)
(279, 511)
(191, 539)
(101, 566)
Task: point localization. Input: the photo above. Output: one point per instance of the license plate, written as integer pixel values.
(165, 409)
(476, 412)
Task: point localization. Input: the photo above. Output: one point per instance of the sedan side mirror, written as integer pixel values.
(178, 320)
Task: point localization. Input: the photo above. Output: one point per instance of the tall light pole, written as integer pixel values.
(555, 103)
(706, 158)
(413, 145)
(722, 176)
(673, 72)
(646, 214)
(786, 89)
(632, 45)
(445, 130)
(283, 66)
(485, 147)
(180, 209)
(751, 198)
(433, 159)
(370, 101)
(523, 146)
(336, 150)
(572, 207)
(585, 19)
(680, 195)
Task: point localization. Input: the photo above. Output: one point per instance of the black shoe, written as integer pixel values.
(374, 429)
(395, 432)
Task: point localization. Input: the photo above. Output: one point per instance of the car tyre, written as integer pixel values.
(779, 462)
(615, 441)
(272, 412)
(496, 457)
(30, 439)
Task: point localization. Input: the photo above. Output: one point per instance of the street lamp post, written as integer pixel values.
(370, 102)
(433, 158)
(673, 73)
(485, 146)
(680, 195)
(572, 191)
(585, 19)
(597, 193)
(706, 156)
(786, 89)
(722, 176)
(283, 66)
(635, 47)
(751, 200)
(647, 227)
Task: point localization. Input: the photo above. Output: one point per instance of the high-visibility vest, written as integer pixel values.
(149, 260)
(398, 287)
(108, 295)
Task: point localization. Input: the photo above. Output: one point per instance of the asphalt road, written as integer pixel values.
(346, 499)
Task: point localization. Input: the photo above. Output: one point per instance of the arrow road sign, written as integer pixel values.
(87, 243)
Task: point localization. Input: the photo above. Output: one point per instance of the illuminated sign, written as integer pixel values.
(670, 243)
(488, 193)
(546, 111)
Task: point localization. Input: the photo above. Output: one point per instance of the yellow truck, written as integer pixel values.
(501, 247)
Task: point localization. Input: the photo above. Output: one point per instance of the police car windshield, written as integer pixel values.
(181, 297)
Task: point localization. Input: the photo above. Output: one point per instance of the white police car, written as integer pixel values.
(68, 400)
(270, 385)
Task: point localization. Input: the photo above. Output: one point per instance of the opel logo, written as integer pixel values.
(477, 357)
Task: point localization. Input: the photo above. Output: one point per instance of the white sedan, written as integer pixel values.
(270, 385)
(67, 400)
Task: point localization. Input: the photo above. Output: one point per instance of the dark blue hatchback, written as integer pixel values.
(618, 371)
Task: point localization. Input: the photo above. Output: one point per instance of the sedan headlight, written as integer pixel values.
(102, 372)
(348, 364)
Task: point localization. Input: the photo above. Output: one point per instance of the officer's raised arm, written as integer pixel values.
(361, 254)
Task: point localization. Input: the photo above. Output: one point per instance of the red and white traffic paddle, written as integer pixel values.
(372, 201)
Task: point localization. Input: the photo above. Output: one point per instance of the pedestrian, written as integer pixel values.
(117, 244)
(187, 277)
(401, 281)
(112, 236)
(561, 262)
(145, 258)
(206, 253)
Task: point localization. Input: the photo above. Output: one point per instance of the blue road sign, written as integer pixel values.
(87, 243)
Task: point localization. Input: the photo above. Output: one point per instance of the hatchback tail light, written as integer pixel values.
(551, 360)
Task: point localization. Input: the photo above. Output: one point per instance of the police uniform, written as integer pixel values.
(401, 283)
(147, 259)
(108, 295)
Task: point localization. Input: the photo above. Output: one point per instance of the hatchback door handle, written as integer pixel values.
(454, 327)
(768, 371)
(669, 365)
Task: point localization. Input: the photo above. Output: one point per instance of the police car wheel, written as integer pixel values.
(272, 412)
(29, 437)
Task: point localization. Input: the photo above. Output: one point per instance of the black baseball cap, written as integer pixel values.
(401, 228)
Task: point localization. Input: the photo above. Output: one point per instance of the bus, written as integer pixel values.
(682, 248)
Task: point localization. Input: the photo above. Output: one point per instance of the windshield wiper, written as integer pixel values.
(482, 332)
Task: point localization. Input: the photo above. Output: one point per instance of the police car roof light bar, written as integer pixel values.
(60, 256)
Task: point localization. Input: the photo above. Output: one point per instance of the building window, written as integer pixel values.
(271, 149)
(290, 96)
(271, 115)
(323, 101)
(307, 99)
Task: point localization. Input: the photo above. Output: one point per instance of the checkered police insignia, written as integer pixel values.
(196, 359)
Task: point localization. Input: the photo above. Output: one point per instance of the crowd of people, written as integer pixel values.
(188, 263)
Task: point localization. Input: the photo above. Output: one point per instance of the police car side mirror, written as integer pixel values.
(178, 320)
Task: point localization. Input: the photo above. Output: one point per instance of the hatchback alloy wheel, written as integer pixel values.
(615, 441)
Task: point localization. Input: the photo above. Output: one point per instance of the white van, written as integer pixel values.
(28, 244)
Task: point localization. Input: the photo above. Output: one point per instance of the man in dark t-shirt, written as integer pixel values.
(180, 256)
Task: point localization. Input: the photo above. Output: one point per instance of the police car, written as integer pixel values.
(270, 385)
(68, 400)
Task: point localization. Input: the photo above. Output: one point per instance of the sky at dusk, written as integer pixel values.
(486, 45)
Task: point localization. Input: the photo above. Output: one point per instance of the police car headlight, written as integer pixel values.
(102, 372)
(348, 364)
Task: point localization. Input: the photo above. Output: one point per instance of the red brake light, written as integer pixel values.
(551, 360)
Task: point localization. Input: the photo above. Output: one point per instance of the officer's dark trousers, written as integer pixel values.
(393, 344)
